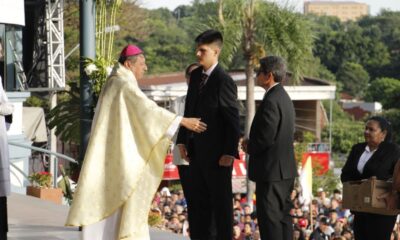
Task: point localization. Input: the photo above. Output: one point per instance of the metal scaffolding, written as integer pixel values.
(55, 44)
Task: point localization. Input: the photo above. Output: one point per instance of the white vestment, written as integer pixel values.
(124, 161)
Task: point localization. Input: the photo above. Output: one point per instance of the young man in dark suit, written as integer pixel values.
(270, 146)
(212, 96)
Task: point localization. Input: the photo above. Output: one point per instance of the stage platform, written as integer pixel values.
(34, 219)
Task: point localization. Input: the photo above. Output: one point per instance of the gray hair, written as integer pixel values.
(132, 59)
(275, 65)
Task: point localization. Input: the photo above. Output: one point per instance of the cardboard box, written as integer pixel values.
(361, 196)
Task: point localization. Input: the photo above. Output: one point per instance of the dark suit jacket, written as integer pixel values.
(381, 164)
(217, 106)
(270, 144)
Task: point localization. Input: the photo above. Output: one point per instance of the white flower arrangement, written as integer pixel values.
(98, 70)
(90, 68)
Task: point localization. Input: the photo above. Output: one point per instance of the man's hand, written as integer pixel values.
(194, 124)
(244, 145)
(226, 161)
(183, 152)
(391, 199)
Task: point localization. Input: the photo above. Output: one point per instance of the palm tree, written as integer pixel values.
(259, 27)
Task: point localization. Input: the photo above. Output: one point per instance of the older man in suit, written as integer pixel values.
(270, 146)
(212, 96)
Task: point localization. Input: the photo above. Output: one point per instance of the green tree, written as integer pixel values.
(168, 48)
(393, 115)
(385, 91)
(258, 27)
(348, 42)
(388, 23)
(345, 131)
(314, 68)
(354, 78)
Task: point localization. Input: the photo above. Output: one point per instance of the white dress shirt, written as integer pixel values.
(367, 154)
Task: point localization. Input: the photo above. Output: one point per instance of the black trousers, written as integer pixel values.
(184, 178)
(368, 226)
(211, 207)
(273, 207)
(3, 218)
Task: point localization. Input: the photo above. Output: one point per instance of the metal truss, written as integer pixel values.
(55, 44)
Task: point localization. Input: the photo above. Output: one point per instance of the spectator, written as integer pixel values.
(323, 200)
(237, 233)
(298, 234)
(337, 194)
(347, 234)
(256, 235)
(247, 231)
(333, 217)
(320, 233)
(339, 238)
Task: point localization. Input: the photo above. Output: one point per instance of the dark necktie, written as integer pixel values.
(202, 82)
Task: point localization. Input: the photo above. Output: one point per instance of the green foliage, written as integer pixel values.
(287, 34)
(41, 179)
(35, 101)
(300, 146)
(314, 68)
(65, 116)
(385, 91)
(388, 25)
(175, 187)
(71, 38)
(328, 182)
(169, 48)
(98, 69)
(263, 29)
(354, 78)
(154, 218)
(65, 186)
(337, 43)
(345, 131)
(393, 115)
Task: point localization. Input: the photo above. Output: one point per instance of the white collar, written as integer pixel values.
(271, 87)
(369, 150)
(209, 71)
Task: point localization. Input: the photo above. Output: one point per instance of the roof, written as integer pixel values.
(334, 2)
(238, 77)
(171, 85)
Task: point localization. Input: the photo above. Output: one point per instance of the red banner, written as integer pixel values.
(320, 162)
(171, 171)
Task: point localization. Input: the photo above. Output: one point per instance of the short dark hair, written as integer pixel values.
(384, 125)
(324, 220)
(275, 65)
(210, 36)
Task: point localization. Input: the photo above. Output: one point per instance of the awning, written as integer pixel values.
(34, 124)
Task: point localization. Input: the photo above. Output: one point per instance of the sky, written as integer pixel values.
(375, 5)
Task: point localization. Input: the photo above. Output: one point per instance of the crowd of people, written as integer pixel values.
(329, 220)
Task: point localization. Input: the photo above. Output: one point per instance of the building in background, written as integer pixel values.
(345, 11)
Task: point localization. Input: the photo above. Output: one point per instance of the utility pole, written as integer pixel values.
(87, 39)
